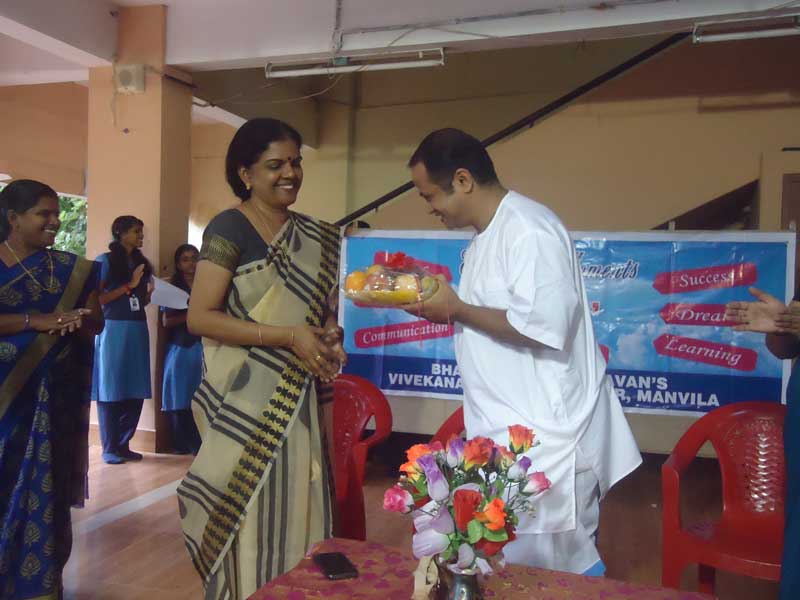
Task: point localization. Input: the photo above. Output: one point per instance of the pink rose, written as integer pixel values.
(397, 499)
(537, 484)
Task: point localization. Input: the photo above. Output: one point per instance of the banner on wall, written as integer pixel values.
(657, 302)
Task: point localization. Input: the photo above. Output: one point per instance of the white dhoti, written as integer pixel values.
(575, 550)
(524, 263)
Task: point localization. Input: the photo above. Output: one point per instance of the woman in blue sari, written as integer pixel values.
(781, 323)
(49, 312)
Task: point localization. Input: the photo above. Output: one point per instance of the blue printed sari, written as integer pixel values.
(45, 382)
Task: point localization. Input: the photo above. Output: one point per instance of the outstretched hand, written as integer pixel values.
(759, 316)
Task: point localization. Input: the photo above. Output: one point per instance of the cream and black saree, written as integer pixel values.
(257, 495)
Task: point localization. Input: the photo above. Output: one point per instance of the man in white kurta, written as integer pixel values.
(526, 349)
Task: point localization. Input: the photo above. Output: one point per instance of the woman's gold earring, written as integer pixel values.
(247, 185)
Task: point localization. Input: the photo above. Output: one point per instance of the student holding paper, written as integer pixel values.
(183, 364)
(121, 379)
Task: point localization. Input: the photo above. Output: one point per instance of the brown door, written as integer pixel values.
(790, 217)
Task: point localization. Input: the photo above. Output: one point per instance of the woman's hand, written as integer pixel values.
(59, 323)
(136, 278)
(334, 336)
(318, 356)
(760, 316)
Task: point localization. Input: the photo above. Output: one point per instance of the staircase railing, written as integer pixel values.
(536, 116)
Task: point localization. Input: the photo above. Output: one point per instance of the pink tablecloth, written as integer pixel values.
(386, 574)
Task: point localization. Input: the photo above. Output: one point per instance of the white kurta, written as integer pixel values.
(525, 263)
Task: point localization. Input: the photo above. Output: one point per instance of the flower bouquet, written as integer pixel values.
(466, 498)
(398, 279)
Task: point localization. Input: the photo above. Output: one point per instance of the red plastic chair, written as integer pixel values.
(748, 537)
(454, 425)
(355, 401)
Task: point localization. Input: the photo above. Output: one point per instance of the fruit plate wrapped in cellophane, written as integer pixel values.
(398, 280)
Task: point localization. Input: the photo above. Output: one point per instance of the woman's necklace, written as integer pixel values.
(272, 236)
(53, 287)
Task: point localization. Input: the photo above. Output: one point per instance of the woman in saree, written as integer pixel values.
(258, 494)
(49, 313)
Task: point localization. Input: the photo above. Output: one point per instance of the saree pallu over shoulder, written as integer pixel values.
(44, 397)
(250, 402)
(77, 279)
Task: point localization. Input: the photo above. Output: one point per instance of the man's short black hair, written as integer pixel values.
(444, 151)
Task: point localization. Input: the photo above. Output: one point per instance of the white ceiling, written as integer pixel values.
(23, 64)
(52, 40)
(214, 34)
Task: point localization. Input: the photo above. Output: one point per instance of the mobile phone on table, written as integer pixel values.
(335, 565)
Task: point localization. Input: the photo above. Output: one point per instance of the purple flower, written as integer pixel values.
(519, 469)
(455, 452)
(438, 488)
(443, 522)
(428, 543)
(424, 516)
(466, 556)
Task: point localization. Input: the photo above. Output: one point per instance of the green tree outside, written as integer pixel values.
(72, 234)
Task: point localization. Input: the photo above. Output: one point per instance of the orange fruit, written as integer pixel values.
(355, 281)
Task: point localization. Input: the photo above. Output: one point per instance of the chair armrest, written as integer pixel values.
(682, 456)
(383, 426)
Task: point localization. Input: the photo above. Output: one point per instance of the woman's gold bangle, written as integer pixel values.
(260, 337)
(291, 343)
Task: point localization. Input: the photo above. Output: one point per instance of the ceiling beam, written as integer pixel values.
(80, 31)
(39, 76)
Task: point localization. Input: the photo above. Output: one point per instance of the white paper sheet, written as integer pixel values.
(166, 294)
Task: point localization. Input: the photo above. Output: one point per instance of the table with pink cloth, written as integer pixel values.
(386, 573)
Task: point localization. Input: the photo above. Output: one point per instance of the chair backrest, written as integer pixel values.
(454, 425)
(748, 440)
(356, 401)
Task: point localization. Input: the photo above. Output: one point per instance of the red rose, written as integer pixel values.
(465, 503)
(491, 548)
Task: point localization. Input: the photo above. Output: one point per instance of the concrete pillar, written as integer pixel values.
(139, 161)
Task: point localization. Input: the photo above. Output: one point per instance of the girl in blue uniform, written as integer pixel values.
(122, 352)
(183, 365)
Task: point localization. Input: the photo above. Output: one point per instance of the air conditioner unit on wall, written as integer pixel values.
(129, 79)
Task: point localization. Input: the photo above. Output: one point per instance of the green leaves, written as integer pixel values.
(475, 531)
(421, 489)
(71, 236)
(495, 536)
